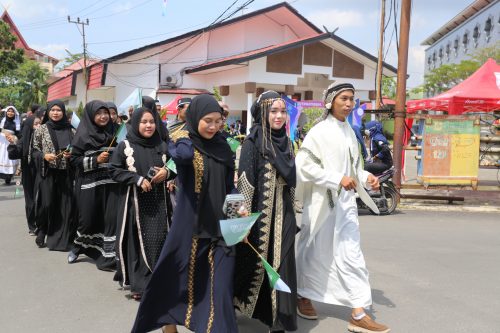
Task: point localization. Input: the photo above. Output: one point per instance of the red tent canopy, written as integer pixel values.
(480, 92)
(385, 101)
(170, 108)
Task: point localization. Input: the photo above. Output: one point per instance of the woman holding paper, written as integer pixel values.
(54, 196)
(266, 177)
(192, 282)
(138, 164)
(90, 157)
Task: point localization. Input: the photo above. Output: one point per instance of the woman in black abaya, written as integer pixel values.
(150, 104)
(143, 218)
(90, 157)
(22, 150)
(266, 177)
(54, 196)
(192, 282)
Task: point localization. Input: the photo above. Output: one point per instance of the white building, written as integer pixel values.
(272, 48)
(477, 26)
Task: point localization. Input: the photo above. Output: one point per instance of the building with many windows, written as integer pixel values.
(475, 27)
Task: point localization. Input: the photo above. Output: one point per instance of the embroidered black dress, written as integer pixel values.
(192, 284)
(142, 220)
(266, 177)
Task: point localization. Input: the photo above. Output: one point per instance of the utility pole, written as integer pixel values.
(83, 24)
(400, 112)
(380, 69)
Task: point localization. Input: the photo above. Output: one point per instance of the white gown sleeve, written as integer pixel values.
(310, 169)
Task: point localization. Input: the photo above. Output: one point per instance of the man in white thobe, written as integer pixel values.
(330, 265)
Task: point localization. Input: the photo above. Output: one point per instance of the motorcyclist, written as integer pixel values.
(381, 157)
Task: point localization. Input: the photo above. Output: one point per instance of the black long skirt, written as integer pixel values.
(140, 242)
(96, 233)
(54, 212)
(192, 285)
(28, 177)
(284, 316)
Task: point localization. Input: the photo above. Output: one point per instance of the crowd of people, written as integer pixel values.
(157, 226)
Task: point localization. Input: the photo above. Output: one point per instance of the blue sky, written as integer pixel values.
(121, 25)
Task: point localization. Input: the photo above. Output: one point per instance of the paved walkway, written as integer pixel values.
(429, 271)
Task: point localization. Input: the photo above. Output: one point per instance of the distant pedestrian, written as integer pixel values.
(10, 126)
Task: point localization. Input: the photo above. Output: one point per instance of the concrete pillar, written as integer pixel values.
(308, 95)
(259, 92)
(224, 90)
(289, 90)
(250, 87)
(249, 113)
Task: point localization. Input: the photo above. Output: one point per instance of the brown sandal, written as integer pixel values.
(169, 329)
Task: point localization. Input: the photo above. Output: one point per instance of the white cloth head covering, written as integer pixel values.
(17, 119)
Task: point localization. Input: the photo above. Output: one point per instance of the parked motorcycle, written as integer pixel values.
(386, 198)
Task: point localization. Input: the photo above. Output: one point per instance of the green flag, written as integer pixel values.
(274, 278)
(18, 192)
(234, 230)
(233, 143)
(121, 133)
(171, 165)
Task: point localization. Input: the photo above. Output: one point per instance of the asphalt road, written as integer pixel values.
(429, 271)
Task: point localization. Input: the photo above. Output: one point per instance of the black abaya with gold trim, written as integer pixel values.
(273, 235)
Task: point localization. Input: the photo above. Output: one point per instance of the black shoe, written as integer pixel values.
(31, 233)
(72, 257)
(40, 239)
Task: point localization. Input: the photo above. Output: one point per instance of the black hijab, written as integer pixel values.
(27, 133)
(217, 165)
(89, 136)
(34, 108)
(40, 113)
(135, 137)
(113, 125)
(60, 131)
(217, 147)
(273, 145)
(150, 104)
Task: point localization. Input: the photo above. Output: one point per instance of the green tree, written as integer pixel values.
(447, 76)
(70, 59)
(217, 95)
(10, 57)
(80, 109)
(313, 115)
(25, 85)
(483, 54)
(389, 87)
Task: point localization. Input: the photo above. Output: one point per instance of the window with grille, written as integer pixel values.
(475, 35)
(465, 41)
(488, 27)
